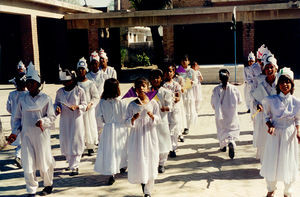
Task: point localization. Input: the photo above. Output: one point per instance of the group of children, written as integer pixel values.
(140, 135)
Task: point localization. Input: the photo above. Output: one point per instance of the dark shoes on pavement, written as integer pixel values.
(47, 190)
(172, 154)
(111, 180)
(231, 150)
(74, 172)
(186, 131)
(181, 138)
(147, 195)
(223, 149)
(161, 169)
(18, 162)
(123, 170)
(90, 152)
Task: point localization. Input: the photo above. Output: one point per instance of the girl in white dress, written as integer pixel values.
(70, 102)
(165, 101)
(143, 149)
(92, 98)
(224, 101)
(248, 75)
(197, 78)
(112, 151)
(34, 118)
(174, 117)
(282, 116)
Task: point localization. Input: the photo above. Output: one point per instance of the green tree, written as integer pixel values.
(157, 39)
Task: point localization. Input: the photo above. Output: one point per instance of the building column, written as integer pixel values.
(29, 39)
(168, 42)
(248, 39)
(93, 37)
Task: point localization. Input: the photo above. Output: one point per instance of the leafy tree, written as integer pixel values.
(157, 39)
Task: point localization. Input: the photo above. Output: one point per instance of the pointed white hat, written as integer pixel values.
(82, 64)
(94, 56)
(32, 73)
(103, 54)
(251, 56)
(64, 76)
(261, 51)
(269, 59)
(286, 71)
(21, 65)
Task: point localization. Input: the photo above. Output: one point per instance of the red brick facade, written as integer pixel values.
(168, 42)
(248, 39)
(93, 38)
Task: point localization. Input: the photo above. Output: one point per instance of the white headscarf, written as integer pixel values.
(64, 76)
(251, 56)
(82, 64)
(286, 71)
(269, 59)
(94, 56)
(32, 73)
(21, 65)
(261, 51)
(103, 54)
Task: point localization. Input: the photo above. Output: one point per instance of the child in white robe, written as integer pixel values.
(11, 105)
(282, 116)
(224, 101)
(70, 103)
(34, 117)
(266, 88)
(174, 117)
(248, 75)
(107, 71)
(197, 78)
(92, 98)
(188, 95)
(112, 150)
(143, 149)
(165, 101)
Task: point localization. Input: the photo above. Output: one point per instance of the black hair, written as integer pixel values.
(194, 63)
(140, 81)
(283, 78)
(184, 57)
(111, 89)
(20, 80)
(155, 73)
(224, 76)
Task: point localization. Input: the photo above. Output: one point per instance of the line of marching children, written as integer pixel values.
(275, 113)
(137, 136)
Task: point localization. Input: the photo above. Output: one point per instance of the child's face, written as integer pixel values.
(142, 89)
(250, 62)
(103, 62)
(32, 85)
(81, 72)
(170, 73)
(285, 86)
(270, 70)
(156, 81)
(67, 83)
(94, 66)
(185, 63)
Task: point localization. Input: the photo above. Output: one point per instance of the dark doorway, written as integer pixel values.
(208, 43)
(282, 37)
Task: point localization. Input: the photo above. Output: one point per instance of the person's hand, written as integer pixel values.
(271, 130)
(40, 125)
(11, 138)
(57, 110)
(150, 115)
(74, 107)
(177, 99)
(134, 117)
(89, 106)
(260, 107)
(164, 109)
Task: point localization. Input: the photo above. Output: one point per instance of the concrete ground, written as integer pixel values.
(198, 170)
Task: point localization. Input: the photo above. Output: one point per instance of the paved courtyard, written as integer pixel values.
(198, 170)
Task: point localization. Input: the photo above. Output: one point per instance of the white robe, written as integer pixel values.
(112, 149)
(71, 124)
(259, 133)
(98, 80)
(197, 89)
(280, 161)
(143, 149)
(248, 76)
(36, 147)
(225, 102)
(89, 117)
(189, 99)
(182, 123)
(165, 98)
(109, 72)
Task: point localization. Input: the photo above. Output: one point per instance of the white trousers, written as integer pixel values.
(73, 161)
(225, 142)
(163, 158)
(32, 183)
(174, 141)
(149, 186)
(271, 186)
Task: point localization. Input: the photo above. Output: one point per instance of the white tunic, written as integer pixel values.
(109, 72)
(174, 117)
(189, 98)
(166, 98)
(225, 102)
(89, 117)
(98, 79)
(112, 149)
(143, 150)
(182, 123)
(248, 76)
(36, 147)
(280, 161)
(259, 133)
(71, 124)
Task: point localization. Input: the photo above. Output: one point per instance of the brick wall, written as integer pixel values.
(248, 39)
(26, 39)
(168, 42)
(93, 38)
(187, 3)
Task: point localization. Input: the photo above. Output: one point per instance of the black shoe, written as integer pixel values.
(231, 150)
(172, 154)
(248, 111)
(74, 172)
(186, 131)
(223, 149)
(181, 138)
(47, 190)
(90, 152)
(161, 169)
(30, 195)
(123, 170)
(147, 195)
(143, 187)
(67, 169)
(18, 162)
(111, 180)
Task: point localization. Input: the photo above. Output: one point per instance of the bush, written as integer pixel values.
(143, 60)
